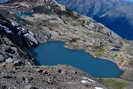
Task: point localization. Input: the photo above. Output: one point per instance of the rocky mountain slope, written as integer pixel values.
(56, 77)
(91, 7)
(104, 11)
(50, 21)
(58, 23)
(122, 22)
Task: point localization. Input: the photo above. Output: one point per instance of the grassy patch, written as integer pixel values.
(130, 62)
(114, 83)
(98, 50)
(114, 55)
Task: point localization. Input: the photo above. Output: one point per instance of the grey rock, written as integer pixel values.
(9, 60)
(1, 58)
(28, 87)
(27, 77)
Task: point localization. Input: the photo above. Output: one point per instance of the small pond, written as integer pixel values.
(53, 53)
(23, 14)
(4, 1)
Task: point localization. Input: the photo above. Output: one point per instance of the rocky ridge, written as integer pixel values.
(11, 53)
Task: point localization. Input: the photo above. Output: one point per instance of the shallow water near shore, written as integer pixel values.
(53, 53)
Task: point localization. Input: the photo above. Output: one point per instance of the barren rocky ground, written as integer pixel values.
(56, 77)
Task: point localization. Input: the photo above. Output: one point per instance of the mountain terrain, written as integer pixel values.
(115, 14)
(50, 21)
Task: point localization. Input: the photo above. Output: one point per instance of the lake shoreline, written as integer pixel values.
(80, 32)
(71, 50)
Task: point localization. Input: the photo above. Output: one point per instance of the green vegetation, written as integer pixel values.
(98, 50)
(74, 23)
(85, 21)
(130, 62)
(114, 55)
(114, 83)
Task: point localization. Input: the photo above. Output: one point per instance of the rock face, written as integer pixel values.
(14, 41)
(57, 77)
(11, 53)
(11, 29)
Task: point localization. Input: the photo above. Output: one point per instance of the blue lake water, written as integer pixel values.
(3, 1)
(53, 53)
(23, 14)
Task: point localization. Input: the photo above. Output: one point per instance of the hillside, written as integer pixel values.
(92, 7)
(56, 77)
(98, 8)
(50, 21)
(121, 22)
